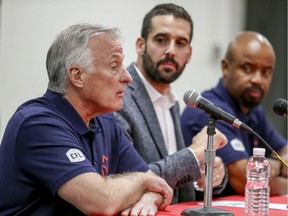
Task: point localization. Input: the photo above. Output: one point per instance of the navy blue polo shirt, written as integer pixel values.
(46, 143)
(240, 143)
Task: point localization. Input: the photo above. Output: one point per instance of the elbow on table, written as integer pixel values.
(105, 204)
(238, 186)
(107, 209)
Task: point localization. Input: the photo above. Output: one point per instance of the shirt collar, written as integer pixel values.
(224, 93)
(66, 109)
(154, 94)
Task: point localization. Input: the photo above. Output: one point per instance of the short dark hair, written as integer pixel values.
(165, 9)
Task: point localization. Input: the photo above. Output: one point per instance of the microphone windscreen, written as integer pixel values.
(280, 107)
(190, 97)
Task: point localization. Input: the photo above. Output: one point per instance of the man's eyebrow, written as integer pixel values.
(166, 34)
(117, 55)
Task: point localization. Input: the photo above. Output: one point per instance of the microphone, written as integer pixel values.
(194, 99)
(280, 107)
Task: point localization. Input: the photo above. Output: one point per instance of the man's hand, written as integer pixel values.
(284, 155)
(275, 167)
(199, 142)
(158, 195)
(147, 205)
(218, 174)
(158, 185)
(284, 171)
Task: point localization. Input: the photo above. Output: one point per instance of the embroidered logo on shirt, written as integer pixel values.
(75, 155)
(237, 145)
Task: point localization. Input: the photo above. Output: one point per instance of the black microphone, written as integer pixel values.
(194, 99)
(280, 107)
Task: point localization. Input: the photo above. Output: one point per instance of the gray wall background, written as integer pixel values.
(269, 17)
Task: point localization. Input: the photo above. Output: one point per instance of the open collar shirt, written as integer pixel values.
(162, 105)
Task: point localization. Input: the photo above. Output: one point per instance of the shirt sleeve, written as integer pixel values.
(48, 151)
(125, 156)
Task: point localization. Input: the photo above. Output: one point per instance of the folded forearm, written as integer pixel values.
(278, 185)
(127, 187)
(178, 169)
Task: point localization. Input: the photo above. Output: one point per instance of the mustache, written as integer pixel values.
(255, 87)
(167, 59)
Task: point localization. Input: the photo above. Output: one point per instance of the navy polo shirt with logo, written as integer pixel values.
(46, 143)
(240, 143)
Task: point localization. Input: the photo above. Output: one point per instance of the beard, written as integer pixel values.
(247, 101)
(164, 76)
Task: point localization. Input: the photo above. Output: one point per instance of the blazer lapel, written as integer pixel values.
(147, 109)
(178, 132)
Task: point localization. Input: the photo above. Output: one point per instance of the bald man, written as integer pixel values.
(247, 69)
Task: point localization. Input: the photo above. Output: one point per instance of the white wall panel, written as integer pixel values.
(28, 28)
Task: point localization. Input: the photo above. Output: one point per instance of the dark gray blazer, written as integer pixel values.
(139, 121)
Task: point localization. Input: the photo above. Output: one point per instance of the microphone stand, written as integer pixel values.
(208, 191)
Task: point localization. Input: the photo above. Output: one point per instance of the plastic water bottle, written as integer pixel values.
(257, 190)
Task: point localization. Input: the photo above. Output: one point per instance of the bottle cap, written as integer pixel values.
(259, 151)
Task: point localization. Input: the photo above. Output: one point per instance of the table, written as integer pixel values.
(234, 204)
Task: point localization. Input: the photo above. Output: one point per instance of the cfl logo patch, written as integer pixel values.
(75, 155)
(237, 145)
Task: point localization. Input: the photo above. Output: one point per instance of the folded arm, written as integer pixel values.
(92, 194)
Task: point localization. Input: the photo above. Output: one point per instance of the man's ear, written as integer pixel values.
(224, 67)
(140, 46)
(189, 54)
(76, 76)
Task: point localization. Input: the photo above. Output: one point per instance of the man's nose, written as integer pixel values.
(126, 77)
(257, 77)
(170, 51)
